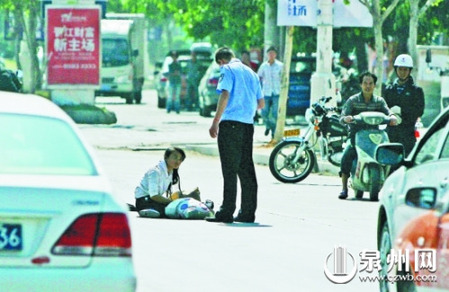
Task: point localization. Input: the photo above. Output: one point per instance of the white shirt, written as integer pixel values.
(271, 77)
(155, 181)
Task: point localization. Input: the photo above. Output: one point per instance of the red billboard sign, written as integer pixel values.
(73, 46)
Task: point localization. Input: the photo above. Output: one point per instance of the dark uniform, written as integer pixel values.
(410, 98)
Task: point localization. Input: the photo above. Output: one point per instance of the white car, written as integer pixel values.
(60, 227)
(420, 185)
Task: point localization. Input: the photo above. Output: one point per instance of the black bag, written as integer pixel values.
(9, 81)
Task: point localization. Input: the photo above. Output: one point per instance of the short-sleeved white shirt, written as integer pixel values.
(271, 77)
(154, 182)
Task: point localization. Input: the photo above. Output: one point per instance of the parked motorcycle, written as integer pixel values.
(367, 173)
(347, 83)
(293, 158)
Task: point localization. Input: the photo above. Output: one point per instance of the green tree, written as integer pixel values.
(26, 14)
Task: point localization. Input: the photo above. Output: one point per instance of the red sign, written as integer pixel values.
(73, 46)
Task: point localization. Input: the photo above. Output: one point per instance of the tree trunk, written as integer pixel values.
(285, 81)
(379, 70)
(271, 34)
(413, 33)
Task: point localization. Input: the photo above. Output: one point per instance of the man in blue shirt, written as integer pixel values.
(240, 97)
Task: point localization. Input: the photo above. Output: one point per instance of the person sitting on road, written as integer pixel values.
(356, 104)
(155, 189)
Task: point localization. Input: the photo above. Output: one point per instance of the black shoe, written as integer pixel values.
(267, 131)
(245, 219)
(219, 217)
(343, 195)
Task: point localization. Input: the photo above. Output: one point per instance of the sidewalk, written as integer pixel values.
(261, 153)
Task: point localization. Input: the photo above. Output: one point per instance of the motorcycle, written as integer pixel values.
(293, 158)
(367, 173)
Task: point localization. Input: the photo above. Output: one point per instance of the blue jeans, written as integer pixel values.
(270, 112)
(174, 97)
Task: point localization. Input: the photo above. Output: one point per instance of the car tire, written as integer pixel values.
(138, 96)
(405, 286)
(129, 98)
(375, 186)
(207, 112)
(358, 194)
(161, 102)
(385, 245)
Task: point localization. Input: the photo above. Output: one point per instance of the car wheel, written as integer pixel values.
(207, 112)
(161, 102)
(405, 286)
(129, 98)
(375, 186)
(384, 249)
(358, 194)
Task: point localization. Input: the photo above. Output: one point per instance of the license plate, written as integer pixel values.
(105, 87)
(10, 237)
(292, 132)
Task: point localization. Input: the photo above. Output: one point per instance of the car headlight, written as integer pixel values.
(122, 79)
(309, 116)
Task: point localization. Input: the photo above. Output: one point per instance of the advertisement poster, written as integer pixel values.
(304, 13)
(73, 46)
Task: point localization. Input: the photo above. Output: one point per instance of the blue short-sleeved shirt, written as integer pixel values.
(244, 89)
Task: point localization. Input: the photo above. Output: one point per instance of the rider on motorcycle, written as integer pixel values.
(360, 102)
(406, 100)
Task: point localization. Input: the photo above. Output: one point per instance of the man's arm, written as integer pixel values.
(260, 103)
(221, 105)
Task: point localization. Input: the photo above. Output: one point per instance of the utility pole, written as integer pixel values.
(323, 81)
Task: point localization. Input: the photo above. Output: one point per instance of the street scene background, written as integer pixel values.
(297, 225)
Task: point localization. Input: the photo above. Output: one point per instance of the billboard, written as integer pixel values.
(304, 13)
(73, 46)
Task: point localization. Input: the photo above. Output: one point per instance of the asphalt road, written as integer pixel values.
(297, 225)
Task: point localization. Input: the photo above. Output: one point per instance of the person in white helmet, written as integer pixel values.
(406, 100)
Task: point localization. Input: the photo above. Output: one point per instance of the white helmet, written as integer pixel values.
(403, 60)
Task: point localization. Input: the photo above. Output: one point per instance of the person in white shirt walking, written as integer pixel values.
(270, 74)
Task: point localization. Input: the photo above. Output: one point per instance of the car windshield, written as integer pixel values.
(39, 145)
(115, 52)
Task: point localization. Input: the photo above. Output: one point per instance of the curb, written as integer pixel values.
(323, 167)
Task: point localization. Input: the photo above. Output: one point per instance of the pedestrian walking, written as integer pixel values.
(174, 84)
(270, 73)
(193, 80)
(406, 100)
(246, 59)
(240, 97)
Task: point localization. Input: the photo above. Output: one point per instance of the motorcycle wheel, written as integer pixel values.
(281, 165)
(375, 186)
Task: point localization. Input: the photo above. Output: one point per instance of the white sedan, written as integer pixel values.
(60, 227)
(412, 214)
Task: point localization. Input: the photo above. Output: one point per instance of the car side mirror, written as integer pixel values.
(424, 198)
(389, 153)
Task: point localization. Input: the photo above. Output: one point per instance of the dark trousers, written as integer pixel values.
(235, 144)
(147, 203)
(349, 155)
